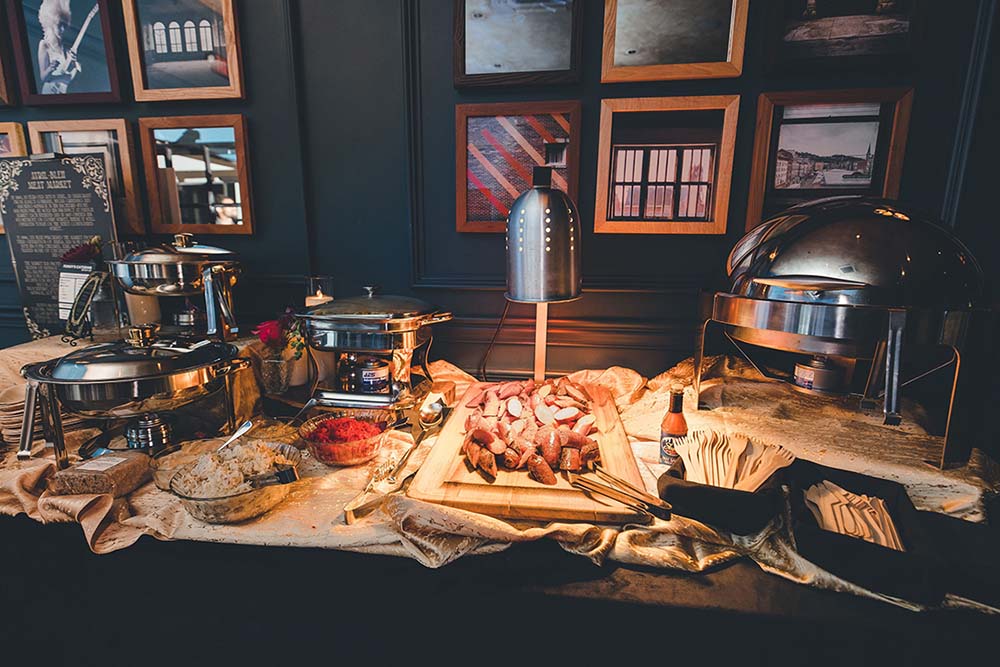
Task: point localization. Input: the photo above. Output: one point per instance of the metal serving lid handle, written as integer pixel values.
(184, 240)
(371, 290)
(142, 335)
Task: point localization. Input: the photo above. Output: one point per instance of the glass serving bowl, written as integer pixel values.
(238, 506)
(350, 453)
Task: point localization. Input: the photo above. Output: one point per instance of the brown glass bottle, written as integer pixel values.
(673, 427)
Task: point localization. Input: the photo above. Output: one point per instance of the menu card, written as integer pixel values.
(48, 205)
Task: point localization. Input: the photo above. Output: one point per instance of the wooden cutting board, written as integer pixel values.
(446, 479)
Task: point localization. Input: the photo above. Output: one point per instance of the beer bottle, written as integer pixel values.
(673, 427)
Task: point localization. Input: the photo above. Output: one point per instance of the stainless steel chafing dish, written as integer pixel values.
(854, 277)
(384, 326)
(184, 269)
(134, 379)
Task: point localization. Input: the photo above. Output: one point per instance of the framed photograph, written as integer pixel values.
(806, 35)
(112, 139)
(12, 140)
(665, 165)
(63, 50)
(813, 144)
(660, 40)
(500, 42)
(496, 148)
(183, 49)
(197, 174)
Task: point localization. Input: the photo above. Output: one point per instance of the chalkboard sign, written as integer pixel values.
(48, 205)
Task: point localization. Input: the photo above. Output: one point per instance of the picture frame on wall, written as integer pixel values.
(810, 35)
(6, 97)
(498, 42)
(821, 143)
(663, 40)
(183, 49)
(110, 137)
(197, 174)
(63, 50)
(497, 146)
(12, 140)
(665, 164)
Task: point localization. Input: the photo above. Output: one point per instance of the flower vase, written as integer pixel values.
(275, 374)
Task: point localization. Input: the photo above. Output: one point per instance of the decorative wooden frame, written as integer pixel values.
(463, 112)
(17, 144)
(235, 121)
(729, 104)
(135, 56)
(776, 29)
(26, 72)
(902, 98)
(570, 75)
(129, 170)
(5, 95)
(729, 68)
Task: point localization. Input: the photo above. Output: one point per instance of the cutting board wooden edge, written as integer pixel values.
(541, 503)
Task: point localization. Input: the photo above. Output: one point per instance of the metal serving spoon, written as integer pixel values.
(246, 426)
(431, 415)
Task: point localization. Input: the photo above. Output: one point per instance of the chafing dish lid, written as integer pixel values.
(373, 307)
(140, 356)
(183, 250)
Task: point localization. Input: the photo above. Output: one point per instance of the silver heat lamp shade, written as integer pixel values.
(543, 244)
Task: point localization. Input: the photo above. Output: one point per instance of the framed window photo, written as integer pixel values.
(63, 51)
(814, 144)
(665, 165)
(806, 35)
(499, 42)
(496, 148)
(661, 40)
(183, 49)
(12, 140)
(197, 174)
(110, 138)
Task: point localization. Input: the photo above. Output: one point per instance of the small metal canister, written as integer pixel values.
(374, 376)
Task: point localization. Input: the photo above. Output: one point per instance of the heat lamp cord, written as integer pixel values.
(493, 340)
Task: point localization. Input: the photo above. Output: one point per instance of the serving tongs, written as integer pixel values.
(283, 474)
(621, 491)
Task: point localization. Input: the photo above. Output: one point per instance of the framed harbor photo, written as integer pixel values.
(12, 140)
(813, 144)
(660, 40)
(498, 42)
(183, 49)
(807, 35)
(63, 51)
(665, 165)
(197, 174)
(496, 148)
(112, 139)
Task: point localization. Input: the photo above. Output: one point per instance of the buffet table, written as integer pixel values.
(435, 536)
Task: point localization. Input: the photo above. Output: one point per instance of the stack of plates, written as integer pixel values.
(12, 416)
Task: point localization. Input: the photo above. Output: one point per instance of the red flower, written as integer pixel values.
(271, 334)
(81, 254)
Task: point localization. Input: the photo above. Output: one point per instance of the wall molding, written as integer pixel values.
(968, 110)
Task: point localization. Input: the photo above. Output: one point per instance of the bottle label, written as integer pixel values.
(668, 448)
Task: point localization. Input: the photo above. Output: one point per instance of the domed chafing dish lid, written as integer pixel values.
(856, 251)
(140, 356)
(184, 250)
(384, 312)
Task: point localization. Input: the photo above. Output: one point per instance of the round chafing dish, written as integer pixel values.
(855, 277)
(131, 378)
(371, 323)
(174, 269)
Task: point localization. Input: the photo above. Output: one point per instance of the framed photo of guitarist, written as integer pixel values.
(63, 50)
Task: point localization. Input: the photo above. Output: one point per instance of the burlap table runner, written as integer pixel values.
(434, 535)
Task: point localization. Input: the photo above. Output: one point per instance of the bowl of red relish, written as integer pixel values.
(347, 437)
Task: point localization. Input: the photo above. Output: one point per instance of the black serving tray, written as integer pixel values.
(914, 574)
(739, 512)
